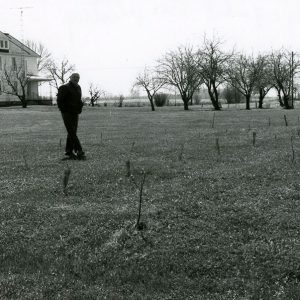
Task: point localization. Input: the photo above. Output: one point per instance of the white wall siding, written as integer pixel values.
(22, 58)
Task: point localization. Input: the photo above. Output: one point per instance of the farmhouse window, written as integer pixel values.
(14, 63)
(0, 87)
(4, 46)
(15, 86)
(0, 63)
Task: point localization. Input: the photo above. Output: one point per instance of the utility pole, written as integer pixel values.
(292, 79)
(21, 9)
(22, 71)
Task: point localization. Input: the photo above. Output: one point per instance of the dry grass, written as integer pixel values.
(217, 226)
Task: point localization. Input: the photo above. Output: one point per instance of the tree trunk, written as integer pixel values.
(281, 102)
(248, 97)
(23, 101)
(186, 105)
(152, 104)
(150, 97)
(214, 98)
(261, 99)
(279, 97)
(185, 100)
(286, 104)
(218, 107)
(22, 97)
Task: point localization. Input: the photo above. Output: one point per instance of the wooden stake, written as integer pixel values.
(180, 155)
(67, 174)
(25, 162)
(213, 121)
(285, 119)
(132, 145)
(254, 138)
(128, 169)
(218, 146)
(293, 151)
(138, 224)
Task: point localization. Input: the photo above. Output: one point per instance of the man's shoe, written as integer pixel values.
(81, 155)
(70, 155)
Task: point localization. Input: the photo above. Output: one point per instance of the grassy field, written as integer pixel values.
(221, 223)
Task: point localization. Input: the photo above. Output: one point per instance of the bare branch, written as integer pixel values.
(285, 65)
(60, 72)
(41, 50)
(95, 93)
(150, 81)
(243, 74)
(212, 64)
(15, 82)
(179, 68)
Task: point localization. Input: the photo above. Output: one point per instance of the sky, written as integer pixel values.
(111, 41)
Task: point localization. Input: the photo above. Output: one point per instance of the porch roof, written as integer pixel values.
(38, 78)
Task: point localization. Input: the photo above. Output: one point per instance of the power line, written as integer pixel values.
(292, 79)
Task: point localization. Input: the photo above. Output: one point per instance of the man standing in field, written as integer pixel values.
(70, 104)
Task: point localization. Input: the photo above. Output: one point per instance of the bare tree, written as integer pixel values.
(212, 64)
(179, 69)
(15, 82)
(285, 67)
(60, 72)
(95, 93)
(41, 50)
(150, 81)
(264, 80)
(243, 75)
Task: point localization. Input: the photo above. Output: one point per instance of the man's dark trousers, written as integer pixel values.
(71, 124)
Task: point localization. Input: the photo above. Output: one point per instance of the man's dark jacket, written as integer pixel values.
(69, 98)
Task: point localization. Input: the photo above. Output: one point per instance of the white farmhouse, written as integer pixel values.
(16, 57)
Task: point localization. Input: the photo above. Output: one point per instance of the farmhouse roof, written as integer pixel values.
(21, 45)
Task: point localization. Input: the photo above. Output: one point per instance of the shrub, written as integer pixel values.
(121, 99)
(160, 99)
(232, 95)
(197, 98)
